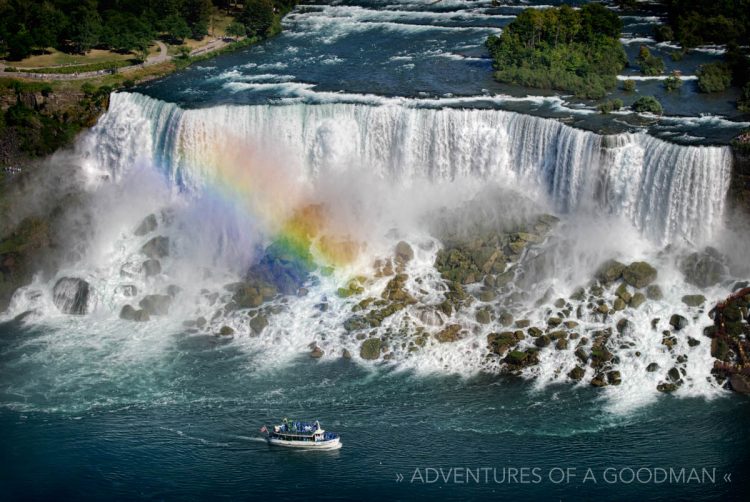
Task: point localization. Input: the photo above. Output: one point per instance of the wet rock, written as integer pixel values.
(578, 294)
(652, 367)
(610, 271)
(129, 313)
(258, 323)
(560, 303)
(430, 317)
(638, 299)
(598, 380)
(562, 344)
(674, 374)
(201, 321)
(370, 349)
(554, 322)
(719, 349)
(395, 290)
(127, 290)
(523, 323)
(534, 332)
(639, 274)
(666, 387)
(226, 331)
(570, 324)
(678, 322)
(614, 378)
(576, 373)
(346, 354)
(146, 226)
(623, 292)
(692, 342)
(619, 304)
(703, 269)
(668, 341)
(71, 295)
(151, 268)
(654, 292)
(156, 304)
(483, 316)
(404, 252)
(603, 308)
(740, 383)
(506, 319)
(487, 295)
(499, 343)
(599, 356)
(353, 287)
(316, 352)
(157, 247)
(450, 333)
(173, 290)
(581, 354)
(542, 341)
(624, 326)
(693, 300)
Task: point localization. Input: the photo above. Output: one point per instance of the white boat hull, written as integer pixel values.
(331, 444)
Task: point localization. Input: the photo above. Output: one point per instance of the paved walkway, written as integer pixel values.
(162, 57)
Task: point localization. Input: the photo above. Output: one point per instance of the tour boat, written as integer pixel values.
(293, 434)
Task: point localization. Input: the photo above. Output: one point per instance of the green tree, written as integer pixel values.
(177, 29)
(650, 65)
(257, 16)
(236, 29)
(20, 44)
(672, 82)
(714, 77)
(648, 104)
(84, 28)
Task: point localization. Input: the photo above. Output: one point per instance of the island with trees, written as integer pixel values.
(561, 48)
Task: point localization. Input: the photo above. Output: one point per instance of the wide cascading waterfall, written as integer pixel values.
(669, 192)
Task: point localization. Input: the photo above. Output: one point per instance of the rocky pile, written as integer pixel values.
(730, 340)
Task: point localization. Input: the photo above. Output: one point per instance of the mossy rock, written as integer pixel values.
(576, 373)
(678, 322)
(610, 271)
(370, 349)
(693, 300)
(450, 333)
(258, 323)
(226, 331)
(637, 300)
(639, 274)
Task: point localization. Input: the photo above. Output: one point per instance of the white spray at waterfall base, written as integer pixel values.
(221, 184)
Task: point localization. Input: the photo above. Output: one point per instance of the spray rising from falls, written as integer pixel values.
(397, 232)
(669, 192)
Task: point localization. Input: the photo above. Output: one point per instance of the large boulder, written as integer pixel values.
(404, 252)
(129, 313)
(147, 226)
(610, 271)
(740, 383)
(703, 269)
(151, 268)
(71, 295)
(156, 304)
(639, 274)
(370, 349)
(156, 248)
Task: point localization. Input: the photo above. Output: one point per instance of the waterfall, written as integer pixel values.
(669, 192)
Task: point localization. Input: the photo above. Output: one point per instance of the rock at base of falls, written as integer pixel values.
(156, 248)
(129, 313)
(156, 304)
(71, 295)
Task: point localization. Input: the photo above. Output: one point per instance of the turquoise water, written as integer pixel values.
(191, 433)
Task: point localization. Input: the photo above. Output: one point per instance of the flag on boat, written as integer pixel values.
(263, 429)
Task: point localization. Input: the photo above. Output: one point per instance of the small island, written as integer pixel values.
(561, 48)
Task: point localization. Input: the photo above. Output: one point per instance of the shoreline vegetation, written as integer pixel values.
(55, 81)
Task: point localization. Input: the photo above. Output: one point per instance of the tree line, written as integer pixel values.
(77, 26)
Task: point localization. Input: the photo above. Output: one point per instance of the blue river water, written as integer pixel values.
(107, 414)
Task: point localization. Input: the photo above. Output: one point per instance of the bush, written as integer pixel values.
(650, 65)
(714, 77)
(672, 82)
(743, 103)
(648, 104)
(677, 55)
(663, 33)
(628, 86)
(610, 106)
